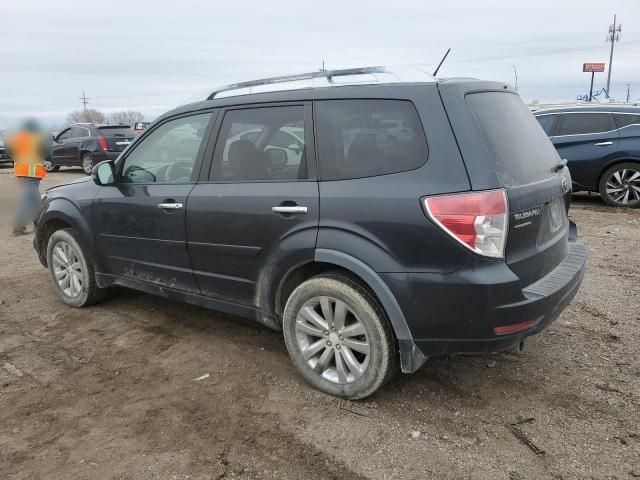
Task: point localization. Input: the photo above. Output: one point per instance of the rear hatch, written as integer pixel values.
(503, 146)
(118, 137)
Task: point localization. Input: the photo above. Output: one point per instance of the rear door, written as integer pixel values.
(504, 146)
(72, 146)
(256, 214)
(586, 140)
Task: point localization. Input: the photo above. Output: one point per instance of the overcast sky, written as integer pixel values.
(152, 55)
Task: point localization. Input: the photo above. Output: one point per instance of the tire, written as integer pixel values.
(327, 293)
(620, 185)
(50, 167)
(87, 163)
(83, 293)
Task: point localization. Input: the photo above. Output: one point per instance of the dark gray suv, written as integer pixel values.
(376, 219)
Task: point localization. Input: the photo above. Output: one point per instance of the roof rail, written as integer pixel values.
(331, 78)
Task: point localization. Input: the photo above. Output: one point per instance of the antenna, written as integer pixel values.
(85, 100)
(441, 62)
(515, 73)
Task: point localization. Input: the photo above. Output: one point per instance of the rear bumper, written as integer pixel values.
(458, 312)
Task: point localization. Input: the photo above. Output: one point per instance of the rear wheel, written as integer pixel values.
(71, 270)
(87, 163)
(338, 337)
(620, 185)
(49, 166)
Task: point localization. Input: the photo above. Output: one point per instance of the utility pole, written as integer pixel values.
(613, 36)
(628, 91)
(85, 100)
(515, 73)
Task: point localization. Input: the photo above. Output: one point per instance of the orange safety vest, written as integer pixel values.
(26, 153)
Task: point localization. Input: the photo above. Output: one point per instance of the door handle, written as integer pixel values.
(603, 144)
(289, 209)
(170, 206)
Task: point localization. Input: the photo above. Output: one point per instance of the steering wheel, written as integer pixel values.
(178, 172)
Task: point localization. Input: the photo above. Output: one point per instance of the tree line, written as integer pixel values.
(90, 115)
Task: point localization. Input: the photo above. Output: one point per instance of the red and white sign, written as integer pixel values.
(593, 67)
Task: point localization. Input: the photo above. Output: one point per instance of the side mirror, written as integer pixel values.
(104, 173)
(294, 147)
(55, 139)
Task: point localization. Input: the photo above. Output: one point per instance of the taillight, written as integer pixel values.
(477, 220)
(103, 142)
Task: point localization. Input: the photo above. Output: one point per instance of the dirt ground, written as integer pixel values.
(112, 391)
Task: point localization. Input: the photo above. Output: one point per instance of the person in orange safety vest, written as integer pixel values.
(28, 148)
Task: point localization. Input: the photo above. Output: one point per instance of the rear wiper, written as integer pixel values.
(559, 166)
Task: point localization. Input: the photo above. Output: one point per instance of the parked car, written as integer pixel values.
(601, 144)
(4, 156)
(368, 254)
(85, 144)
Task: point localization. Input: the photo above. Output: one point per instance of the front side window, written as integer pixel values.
(168, 154)
(261, 144)
(625, 119)
(365, 138)
(65, 135)
(547, 122)
(581, 123)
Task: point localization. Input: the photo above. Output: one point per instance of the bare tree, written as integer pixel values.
(126, 117)
(89, 115)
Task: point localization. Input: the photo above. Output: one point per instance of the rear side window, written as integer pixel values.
(547, 122)
(261, 144)
(581, 123)
(365, 138)
(522, 153)
(625, 119)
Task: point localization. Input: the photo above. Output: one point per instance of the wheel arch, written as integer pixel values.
(411, 358)
(613, 163)
(61, 213)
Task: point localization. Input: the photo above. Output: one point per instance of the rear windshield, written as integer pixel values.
(117, 131)
(522, 152)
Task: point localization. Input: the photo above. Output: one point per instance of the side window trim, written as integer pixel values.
(148, 131)
(309, 138)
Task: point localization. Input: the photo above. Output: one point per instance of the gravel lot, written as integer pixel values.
(108, 392)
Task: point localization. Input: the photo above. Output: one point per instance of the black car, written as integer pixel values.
(4, 156)
(85, 144)
(602, 147)
(375, 223)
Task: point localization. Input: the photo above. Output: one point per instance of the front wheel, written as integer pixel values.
(338, 337)
(620, 185)
(49, 166)
(87, 163)
(71, 270)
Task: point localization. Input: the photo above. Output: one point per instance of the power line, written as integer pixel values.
(85, 100)
(613, 36)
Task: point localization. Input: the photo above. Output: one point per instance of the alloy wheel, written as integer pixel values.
(332, 340)
(48, 165)
(87, 164)
(67, 269)
(623, 186)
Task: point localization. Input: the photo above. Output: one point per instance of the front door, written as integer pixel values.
(60, 149)
(586, 140)
(256, 215)
(140, 221)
